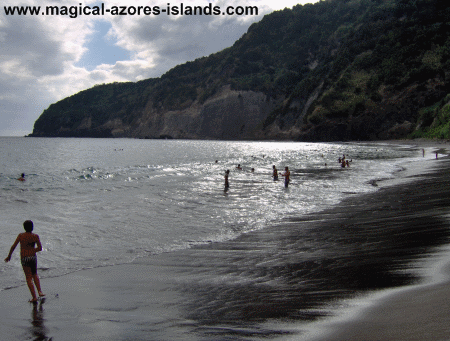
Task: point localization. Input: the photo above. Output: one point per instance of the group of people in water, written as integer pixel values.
(343, 161)
(286, 175)
(30, 243)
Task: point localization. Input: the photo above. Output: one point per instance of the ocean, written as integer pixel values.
(97, 202)
(105, 202)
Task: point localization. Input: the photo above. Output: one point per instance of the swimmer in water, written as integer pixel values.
(22, 177)
(28, 251)
(287, 176)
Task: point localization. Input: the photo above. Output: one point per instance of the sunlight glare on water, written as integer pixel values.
(106, 201)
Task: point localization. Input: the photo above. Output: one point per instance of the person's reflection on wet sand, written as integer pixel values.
(38, 329)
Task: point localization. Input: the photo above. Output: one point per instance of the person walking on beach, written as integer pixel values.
(29, 245)
(287, 176)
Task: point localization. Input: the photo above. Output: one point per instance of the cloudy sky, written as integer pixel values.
(45, 58)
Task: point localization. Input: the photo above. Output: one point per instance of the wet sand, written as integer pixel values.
(414, 312)
(254, 287)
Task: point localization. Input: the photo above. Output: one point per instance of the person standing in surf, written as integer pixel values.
(29, 245)
(287, 176)
(275, 173)
(227, 185)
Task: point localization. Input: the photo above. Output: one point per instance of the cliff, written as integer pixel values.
(335, 70)
(228, 114)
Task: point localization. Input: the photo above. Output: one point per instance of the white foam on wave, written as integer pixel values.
(413, 168)
(433, 269)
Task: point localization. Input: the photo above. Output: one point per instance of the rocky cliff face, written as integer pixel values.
(226, 115)
(237, 115)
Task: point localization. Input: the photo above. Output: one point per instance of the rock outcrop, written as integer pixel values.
(228, 114)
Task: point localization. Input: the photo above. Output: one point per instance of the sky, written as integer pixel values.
(45, 58)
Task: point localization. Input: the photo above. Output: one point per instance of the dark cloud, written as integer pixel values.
(27, 41)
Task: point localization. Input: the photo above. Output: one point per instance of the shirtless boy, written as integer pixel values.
(27, 241)
(287, 176)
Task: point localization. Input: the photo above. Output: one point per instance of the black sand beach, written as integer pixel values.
(265, 284)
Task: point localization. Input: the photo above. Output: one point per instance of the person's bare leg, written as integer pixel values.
(37, 282)
(29, 278)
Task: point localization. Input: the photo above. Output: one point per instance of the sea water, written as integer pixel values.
(99, 202)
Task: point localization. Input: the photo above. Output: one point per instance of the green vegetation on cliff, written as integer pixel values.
(434, 121)
(339, 69)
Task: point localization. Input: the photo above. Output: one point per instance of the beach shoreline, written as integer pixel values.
(408, 313)
(413, 312)
(157, 294)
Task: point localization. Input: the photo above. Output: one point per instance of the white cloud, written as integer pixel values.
(39, 54)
